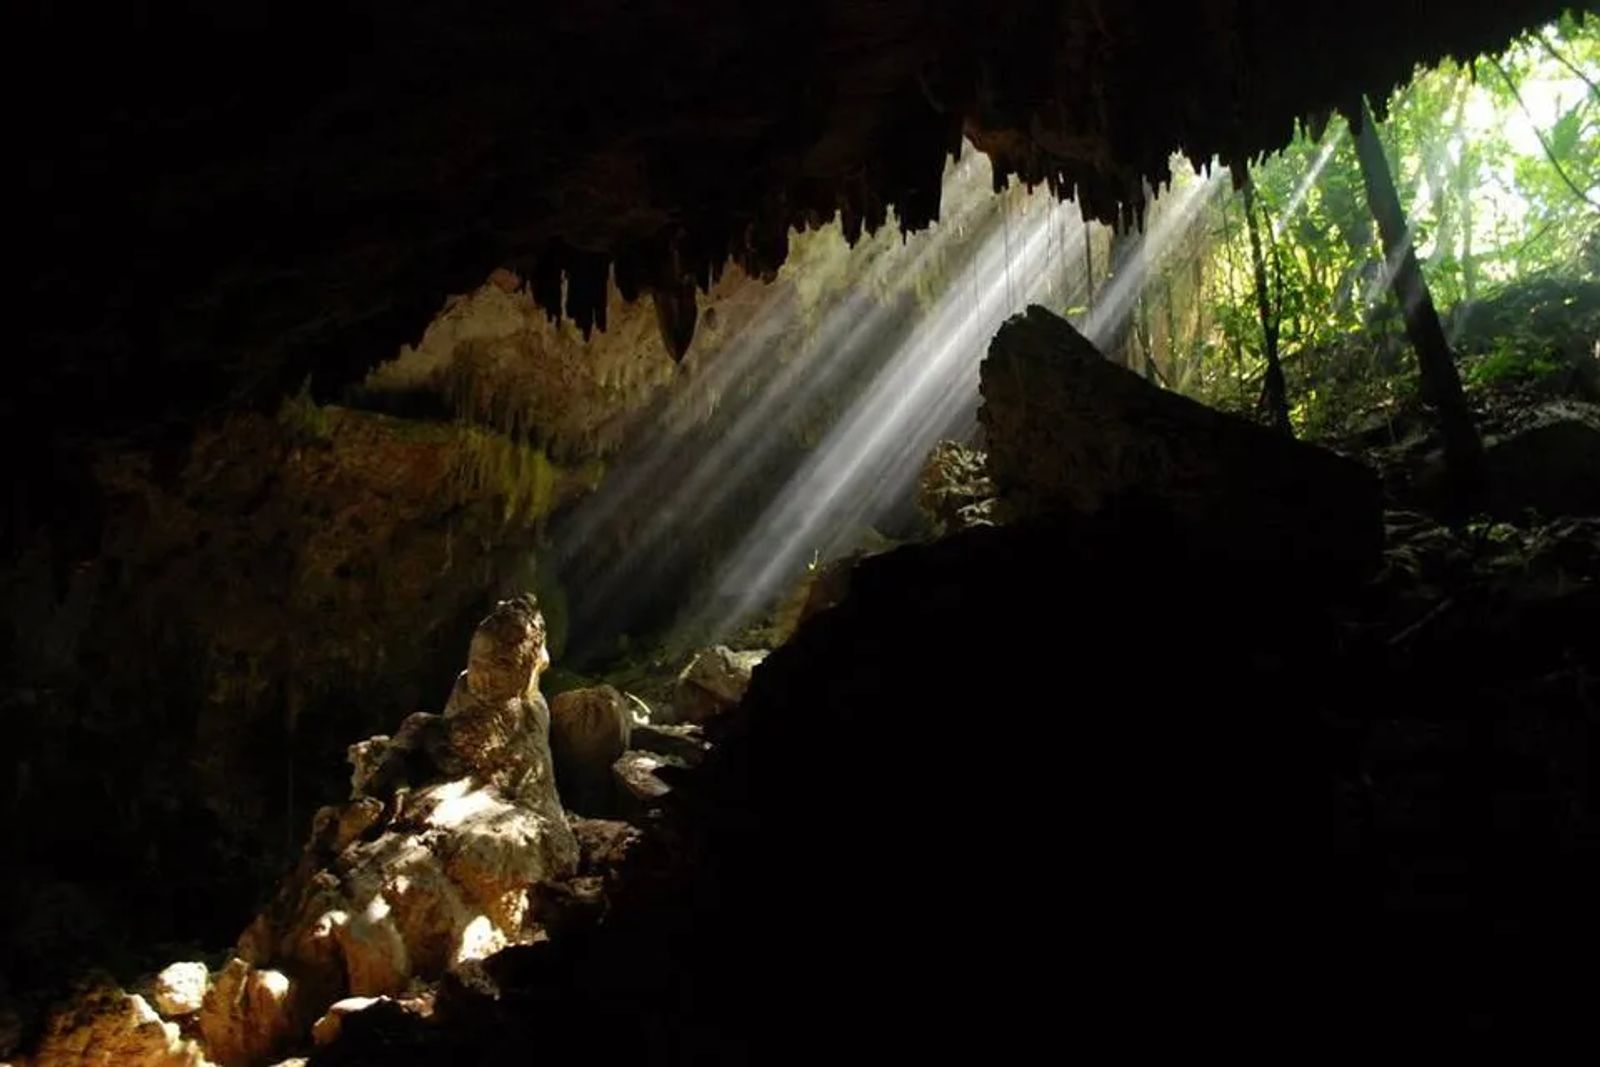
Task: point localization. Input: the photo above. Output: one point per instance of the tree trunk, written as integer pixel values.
(1441, 385)
(1088, 265)
(1121, 259)
(1276, 390)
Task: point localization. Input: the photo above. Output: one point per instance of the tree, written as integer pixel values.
(1440, 384)
(1275, 388)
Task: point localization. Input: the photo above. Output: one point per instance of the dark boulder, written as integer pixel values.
(589, 731)
(1068, 430)
(1550, 465)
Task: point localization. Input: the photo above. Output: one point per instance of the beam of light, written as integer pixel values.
(1307, 180)
(1115, 303)
(669, 493)
(1384, 278)
(880, 445)
(869, 374)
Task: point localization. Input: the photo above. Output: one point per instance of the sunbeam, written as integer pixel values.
(836, 396)
(1310, 179)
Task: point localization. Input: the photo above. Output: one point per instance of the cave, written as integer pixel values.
(971, 530)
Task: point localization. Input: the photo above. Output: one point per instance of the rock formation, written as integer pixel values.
(451, 831)
(713, 681)
(589, 731)
(449, 825)
(1548, 464)
(179, 989)
(289, 583)
(1067, 430)
(721, 129)
(106, 1027)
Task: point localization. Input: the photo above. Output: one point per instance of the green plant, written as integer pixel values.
(303, 419)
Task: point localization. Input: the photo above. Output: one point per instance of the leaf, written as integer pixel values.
(1564, 134)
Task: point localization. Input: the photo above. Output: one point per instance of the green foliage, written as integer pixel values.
(520, 474)
(1529, 329)
(1509, 362)
(303, 419)
(1498, 165)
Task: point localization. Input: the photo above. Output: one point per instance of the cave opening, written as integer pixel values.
(923, 502)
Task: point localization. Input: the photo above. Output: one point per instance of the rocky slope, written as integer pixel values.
(180, 692)
(1082, 768)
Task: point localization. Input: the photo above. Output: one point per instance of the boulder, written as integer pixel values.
(713, 682)
(418, 752)
(685, 742)
(1068, 432)
(589, 731)
(326, 1029)
(604, 844)
(249, 1015)
(1550, 464)
(819, 589)
(642, 789)
(103, 1026)
(179, 989)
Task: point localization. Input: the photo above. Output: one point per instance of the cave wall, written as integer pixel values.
(223, 200)
(179, 701)
(221, 203)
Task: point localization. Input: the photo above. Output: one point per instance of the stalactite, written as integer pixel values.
(1054, 124)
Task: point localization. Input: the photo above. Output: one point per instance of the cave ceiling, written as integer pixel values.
(220, 200)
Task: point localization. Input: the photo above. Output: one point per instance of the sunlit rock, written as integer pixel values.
(713, 682)
(107, 1027)
(249, 1015)
(179, 989)
(636, 773)
(326, 1029)
(685, 741)
(499, 724)
(589, 729)
(454, 820)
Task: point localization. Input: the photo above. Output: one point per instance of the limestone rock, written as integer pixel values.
(713, 682)
(589, 731)
(419, 752)
(107, 1027)
(326, 1029)
(499, 724)
(685, 741)
(1550, 465)
(431, 864)
(604, 844)
(179, 989)
(249, 1015)
(1070, 432)
(636, 773)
